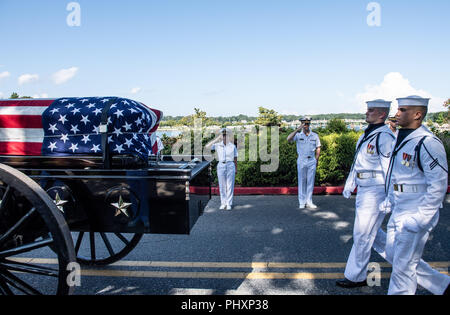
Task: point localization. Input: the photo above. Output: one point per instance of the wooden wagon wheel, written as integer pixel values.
(36, 247)
(100, 249)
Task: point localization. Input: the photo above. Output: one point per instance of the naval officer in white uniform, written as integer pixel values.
(367, 173)
(227, 155)
(416, 183)
(308, 150)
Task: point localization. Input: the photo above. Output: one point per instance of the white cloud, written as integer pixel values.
(1, 94)
(135, 90)
(64, 75)
(27, 78)
(4, 74)
(42, 95)
(394, 85)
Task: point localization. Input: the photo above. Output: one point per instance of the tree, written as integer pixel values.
(268, 117)
(336, 125)
(447, 105)
(14, 96)
(441, 118)
(199, 116)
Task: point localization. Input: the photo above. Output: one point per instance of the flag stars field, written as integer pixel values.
(61, 127)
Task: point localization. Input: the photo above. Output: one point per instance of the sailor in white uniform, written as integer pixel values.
(308, 150)
(367, 173)
(226, 168)
(416, 183)
(368, 221)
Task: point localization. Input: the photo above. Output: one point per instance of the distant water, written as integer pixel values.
(168, 133)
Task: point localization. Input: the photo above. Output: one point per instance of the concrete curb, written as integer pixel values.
(248, 191)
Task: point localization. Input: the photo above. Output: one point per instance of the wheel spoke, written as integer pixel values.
(92, 242)
(107, 244)
(26, 248)
(4, 289)
(122, 238)
(78, 243)
(19, 284)
(28, 268)
(5, 198)
(16, 226)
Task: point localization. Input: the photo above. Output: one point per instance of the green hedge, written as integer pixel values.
(334, 164)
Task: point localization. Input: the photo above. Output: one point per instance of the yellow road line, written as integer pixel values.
(252, 265)
(215, 275)
(247, 265)
(220, 275)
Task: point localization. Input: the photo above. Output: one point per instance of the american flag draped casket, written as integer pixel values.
(75, 126)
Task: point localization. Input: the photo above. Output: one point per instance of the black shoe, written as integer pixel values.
(350, 284)
(447, 291)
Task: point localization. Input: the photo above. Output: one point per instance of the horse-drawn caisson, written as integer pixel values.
(80, 180)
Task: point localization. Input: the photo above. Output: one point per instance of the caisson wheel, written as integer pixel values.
(36, 247)
(99, 249)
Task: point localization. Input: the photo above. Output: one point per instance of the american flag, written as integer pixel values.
(71, 126)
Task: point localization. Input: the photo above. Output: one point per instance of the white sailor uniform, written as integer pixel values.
(417, 183)
(306, 165)
(368, 171)
(226, 171)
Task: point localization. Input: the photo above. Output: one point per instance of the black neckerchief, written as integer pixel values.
(402, 134)
(372, 127)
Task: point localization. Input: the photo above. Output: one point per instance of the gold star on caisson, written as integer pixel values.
(121, 207)
(59, 203)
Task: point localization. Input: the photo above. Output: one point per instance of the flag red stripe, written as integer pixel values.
(154, 128)
(20, 148)
(22, 103)
(20, 121)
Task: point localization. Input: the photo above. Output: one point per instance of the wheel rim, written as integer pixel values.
(99, 249)
(31, 225)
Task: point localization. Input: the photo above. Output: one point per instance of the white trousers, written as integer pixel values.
(368, 233)
(306, 169)
(404, 249)
(368, 220)
(226, 172)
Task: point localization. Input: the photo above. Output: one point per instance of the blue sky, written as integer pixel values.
(228, 57)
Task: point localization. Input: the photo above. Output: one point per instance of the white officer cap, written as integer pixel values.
(392, 118)
(413, 100)
(306, 118)
(379, 104)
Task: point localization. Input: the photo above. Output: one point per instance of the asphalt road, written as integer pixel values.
(265, 246)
